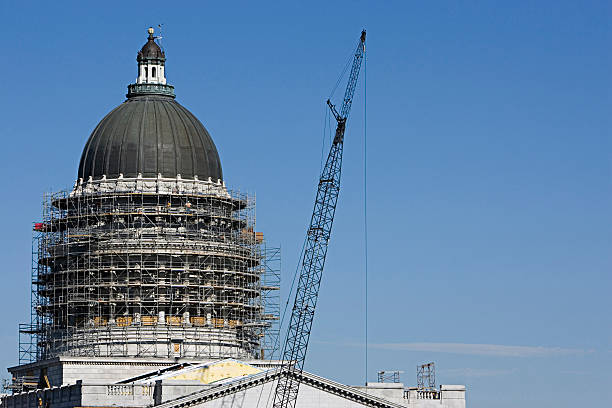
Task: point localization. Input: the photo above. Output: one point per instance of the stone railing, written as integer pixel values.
(159, 184)
(129, 390)
(148, 89)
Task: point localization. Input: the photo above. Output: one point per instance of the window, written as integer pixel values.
(153, 72)
(146, 72)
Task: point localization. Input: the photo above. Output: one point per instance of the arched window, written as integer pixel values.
(153, 72)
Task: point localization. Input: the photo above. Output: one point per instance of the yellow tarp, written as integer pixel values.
(216, 372)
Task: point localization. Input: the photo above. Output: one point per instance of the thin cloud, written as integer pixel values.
(481, 349)
(575, 372)
(477, 372)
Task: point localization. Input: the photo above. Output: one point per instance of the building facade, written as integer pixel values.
(150, 255)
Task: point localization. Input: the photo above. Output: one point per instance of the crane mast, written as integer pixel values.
(315, 249)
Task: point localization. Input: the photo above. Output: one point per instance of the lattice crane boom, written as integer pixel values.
(315, 250)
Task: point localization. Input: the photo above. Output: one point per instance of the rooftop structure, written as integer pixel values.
(225, 383)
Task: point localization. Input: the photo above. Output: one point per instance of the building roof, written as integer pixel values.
(212, 372)
(150, 135)
(251, 381)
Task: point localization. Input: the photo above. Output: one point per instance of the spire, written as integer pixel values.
(151, 70)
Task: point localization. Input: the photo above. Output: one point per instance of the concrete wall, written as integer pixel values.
(127, 395)
(62, 371)
(105, 373)
(393, 392)
(173, 390)
(262, 396)
(143, 395)
(453, 396)
(449, 396)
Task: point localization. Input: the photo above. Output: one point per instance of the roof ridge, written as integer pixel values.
(253, 380)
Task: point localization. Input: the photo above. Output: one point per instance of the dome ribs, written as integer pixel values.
(186, 149)
(132, 143)
(117, 145)
(169, 151)
(147, 159)
(98, 165)
(88, 156)
(205, 150)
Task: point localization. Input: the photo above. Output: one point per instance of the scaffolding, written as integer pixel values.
(426, 377)
(28, 332)
(270, 285)
(153, 270)
(389, 376)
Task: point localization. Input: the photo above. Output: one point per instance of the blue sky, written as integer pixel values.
(489, 171)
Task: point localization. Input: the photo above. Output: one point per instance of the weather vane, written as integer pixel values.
(159, 37)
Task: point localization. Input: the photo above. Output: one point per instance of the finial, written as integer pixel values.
(150, 31)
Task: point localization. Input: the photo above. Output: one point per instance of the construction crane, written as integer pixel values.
(315, 250)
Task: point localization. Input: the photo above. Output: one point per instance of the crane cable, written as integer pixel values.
(346, 66)
(327, 134)
(280, 326)
(365, 203)
(327, 138)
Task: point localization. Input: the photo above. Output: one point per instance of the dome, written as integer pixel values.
(150, 50)
(150, 134)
